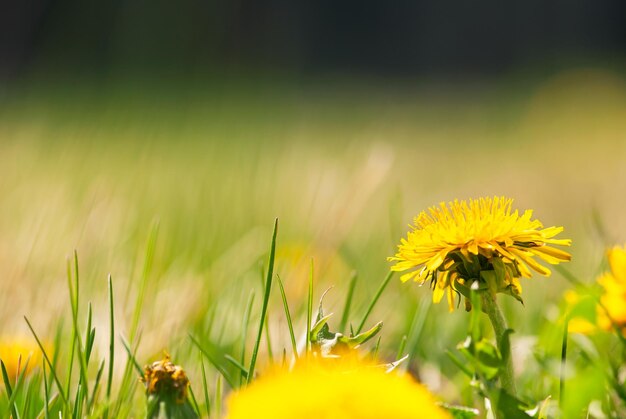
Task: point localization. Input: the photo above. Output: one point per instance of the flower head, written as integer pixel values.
(166, 381)
(482, 240)
(613, 299)
(341, 388)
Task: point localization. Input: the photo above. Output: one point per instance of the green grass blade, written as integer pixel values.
(147, 267)
(244, 333)
(219, 367)
(268, 340)
(90, 333)
(218, 396)
(205, 387)
(111, 346)
(415, 330)
(78, 406)
(239, 365)
(346, 307)
(194, 402)
(128, 381)
(401, 347)
(52, 370)
(131, 357)
(73, 305)
(46, 392)
(8, 388)
(460, 364)
(58, 337)
(568, 276)
(379, 292)
(21, 374)
(309, 312)
(96, 386)
(266, 297)
(82, 358)
(292, 336)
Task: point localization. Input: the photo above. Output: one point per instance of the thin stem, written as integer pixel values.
(563, 363)
(490, 306)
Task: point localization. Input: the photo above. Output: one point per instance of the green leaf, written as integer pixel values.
(320, 329)
(461, 412)
(361, 338)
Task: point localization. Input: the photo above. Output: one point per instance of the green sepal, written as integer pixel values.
(491, 279)
(510, 290)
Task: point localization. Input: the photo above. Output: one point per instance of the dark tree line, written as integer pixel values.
(380, 37)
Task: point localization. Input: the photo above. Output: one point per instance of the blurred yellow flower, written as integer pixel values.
(613, 299)
(580, 322)
(464, 241)
(332, 390)
(14, 352)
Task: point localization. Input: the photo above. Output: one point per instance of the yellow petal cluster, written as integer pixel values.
(343, 389)
(481, 230)
(613, 299)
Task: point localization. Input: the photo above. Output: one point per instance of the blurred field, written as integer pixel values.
(344, 168)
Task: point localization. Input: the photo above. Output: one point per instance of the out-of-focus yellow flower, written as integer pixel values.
(14, 352)
(166, 380)
(459, 242)
(578, 323)
(613, 299)
(339, 388)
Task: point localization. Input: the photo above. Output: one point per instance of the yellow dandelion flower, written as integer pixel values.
(481, 240)
(14, 352)
(613, 299)
(332, 390)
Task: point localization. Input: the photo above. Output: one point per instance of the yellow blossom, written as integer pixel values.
(613, 299)
(14, 352)
(343, 389)
(477, 240)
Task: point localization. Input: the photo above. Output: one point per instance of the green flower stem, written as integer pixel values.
(490, 306)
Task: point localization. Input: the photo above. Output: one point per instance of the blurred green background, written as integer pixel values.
(106, 131)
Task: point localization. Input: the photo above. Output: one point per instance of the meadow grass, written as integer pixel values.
(168, 202)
